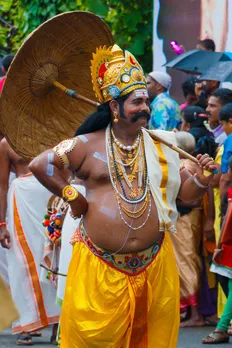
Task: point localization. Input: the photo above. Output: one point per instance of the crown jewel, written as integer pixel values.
(115, 74)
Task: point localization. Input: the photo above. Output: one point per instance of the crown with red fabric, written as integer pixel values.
(115, 74)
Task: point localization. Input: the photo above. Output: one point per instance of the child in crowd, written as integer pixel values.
(223, 266)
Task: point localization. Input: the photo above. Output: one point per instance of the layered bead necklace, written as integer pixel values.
(126, 164)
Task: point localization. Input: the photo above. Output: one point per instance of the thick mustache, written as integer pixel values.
(139, 115)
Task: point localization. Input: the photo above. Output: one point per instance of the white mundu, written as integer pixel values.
(35, 301)
(3, 252)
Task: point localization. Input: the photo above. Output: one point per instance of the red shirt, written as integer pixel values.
(2, 83)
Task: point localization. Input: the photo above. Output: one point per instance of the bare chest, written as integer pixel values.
(95, 166)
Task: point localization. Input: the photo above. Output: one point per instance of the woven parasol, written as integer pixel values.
(35, 112)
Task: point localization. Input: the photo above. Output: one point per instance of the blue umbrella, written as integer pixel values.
(197, 61)
(219, 71)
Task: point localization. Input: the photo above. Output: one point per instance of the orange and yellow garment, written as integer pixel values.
(106, 304)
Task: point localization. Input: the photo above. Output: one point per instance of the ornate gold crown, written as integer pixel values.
(115, 75)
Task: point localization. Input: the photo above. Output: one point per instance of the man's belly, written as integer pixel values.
(106, 228)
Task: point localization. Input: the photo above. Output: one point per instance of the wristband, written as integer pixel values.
(2, 223)
(69, 193)
(198, 183)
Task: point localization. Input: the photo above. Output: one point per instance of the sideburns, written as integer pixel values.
(121, 109)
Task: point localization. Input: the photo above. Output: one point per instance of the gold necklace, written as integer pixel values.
(118, 175)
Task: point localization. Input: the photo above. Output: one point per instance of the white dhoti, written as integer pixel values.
(3, 257)
(34, 300)
(3, 265)
(69, 227)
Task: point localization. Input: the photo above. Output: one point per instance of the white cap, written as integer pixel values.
(162, 78)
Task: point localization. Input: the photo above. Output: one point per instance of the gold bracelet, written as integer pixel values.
(69, 193)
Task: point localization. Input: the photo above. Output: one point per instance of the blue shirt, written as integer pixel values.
(227, 153)
(165, 113)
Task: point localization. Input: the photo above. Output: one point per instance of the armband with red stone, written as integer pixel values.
(63, 148)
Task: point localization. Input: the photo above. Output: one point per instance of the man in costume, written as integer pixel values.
(122, 287)
(24, 238)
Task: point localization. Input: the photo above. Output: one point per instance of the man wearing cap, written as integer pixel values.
(122, 287)
(165, 112)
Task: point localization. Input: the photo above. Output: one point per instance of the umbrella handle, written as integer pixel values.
(177, 149)
(74, 94)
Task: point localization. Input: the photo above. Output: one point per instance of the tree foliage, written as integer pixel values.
(130, 22)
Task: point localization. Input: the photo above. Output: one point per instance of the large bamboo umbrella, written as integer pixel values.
(35, 112)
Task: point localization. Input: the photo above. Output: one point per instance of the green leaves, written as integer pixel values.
(130, 22)
(137, 45)
(98, 7)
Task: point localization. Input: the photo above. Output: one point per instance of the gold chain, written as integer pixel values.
(127, 167)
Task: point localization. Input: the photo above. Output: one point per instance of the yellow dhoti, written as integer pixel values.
(106, 304)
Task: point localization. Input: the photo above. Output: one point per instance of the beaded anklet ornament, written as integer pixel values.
(53, 221)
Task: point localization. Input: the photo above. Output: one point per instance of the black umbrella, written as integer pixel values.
(220, 71)
(197, 61)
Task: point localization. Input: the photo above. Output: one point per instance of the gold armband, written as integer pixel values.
(63, 148)
(69, 193)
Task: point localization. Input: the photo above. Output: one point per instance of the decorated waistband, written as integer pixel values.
(133, 262)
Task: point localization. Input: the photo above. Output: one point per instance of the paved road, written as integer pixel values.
(189, 338)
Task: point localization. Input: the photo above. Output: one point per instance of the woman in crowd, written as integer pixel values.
(194, 221)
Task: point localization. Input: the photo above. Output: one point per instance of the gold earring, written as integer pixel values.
(115, 117)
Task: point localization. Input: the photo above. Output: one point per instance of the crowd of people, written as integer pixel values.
(205, 119)
(108, 183)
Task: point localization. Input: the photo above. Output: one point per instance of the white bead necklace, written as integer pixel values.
(133, 159)
(128, 147)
